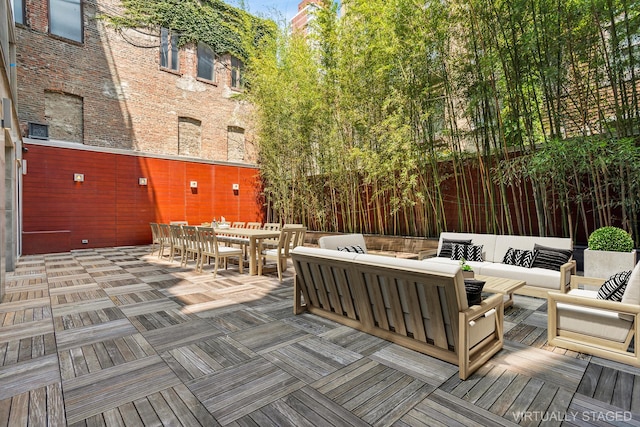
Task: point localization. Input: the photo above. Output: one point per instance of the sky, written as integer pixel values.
(274, 9)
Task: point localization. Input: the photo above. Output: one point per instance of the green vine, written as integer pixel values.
(224, 28)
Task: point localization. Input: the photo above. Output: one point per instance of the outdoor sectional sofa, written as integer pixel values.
(411, 303)
(538, 280)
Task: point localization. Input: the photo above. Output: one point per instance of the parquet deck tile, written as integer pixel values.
(169, 337)
(29, 345)
(442, 409)
(83, 315)
(268, 337)
(544, 365)
(311, 359)
(239, 320)
(64, 307)
(116, 336)
(240, 390)
(587, 411)
(117, 279)
(85, 335)
(14, 303)
(357, 341)
(206, 357)
(135, 297)
(40, 406)
(213, 308)
(431, 371)
(28, 375)
(93, 394)
(150, 307)
(127, 289)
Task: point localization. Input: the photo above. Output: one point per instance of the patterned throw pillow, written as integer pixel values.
(519, 257)
(446, 249)
(613, 288)
(355, 248)
(468, 252)
(550, 258)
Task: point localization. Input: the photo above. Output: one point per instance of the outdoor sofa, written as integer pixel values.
(550, 270)
(411, 303)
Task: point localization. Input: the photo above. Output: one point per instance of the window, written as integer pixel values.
(236, 72)
(169, 50)
(18, 11)
(65, 19)
(206, 68)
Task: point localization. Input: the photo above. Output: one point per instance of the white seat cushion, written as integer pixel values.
(227, 249)
(592, 321)
(539, 277)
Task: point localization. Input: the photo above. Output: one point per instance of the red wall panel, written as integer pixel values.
(110, 209)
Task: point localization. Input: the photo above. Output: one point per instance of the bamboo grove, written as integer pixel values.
(410, 117)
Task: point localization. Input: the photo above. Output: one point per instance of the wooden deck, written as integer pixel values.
(117, 337)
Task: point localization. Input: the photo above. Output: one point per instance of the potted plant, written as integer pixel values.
(467, 271)
(610, 250)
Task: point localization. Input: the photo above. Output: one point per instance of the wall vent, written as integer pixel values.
(38, 131)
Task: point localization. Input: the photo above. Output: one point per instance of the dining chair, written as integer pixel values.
(166, 242)
(155, 236)
(209, 248)
(191, 245)
(272, 226)
(290, 237)
(177, 242)
(245, 242)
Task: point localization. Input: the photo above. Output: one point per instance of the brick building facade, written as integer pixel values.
(91, 92)
(109, 89)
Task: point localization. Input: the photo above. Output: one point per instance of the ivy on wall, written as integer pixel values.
(224, 28)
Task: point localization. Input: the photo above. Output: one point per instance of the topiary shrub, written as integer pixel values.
(610, 239)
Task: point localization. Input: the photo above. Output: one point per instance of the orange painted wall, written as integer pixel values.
(110, 209)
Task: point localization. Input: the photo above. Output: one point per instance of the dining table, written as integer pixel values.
(253, 236)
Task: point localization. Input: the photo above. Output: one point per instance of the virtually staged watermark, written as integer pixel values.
(607, 416)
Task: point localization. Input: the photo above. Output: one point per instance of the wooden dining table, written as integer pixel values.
(253, 235)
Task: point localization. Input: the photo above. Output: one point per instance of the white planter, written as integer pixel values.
(604, 264)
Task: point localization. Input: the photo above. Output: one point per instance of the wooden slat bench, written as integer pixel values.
(420, 307)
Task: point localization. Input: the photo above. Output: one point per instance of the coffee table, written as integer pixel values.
(501, 286)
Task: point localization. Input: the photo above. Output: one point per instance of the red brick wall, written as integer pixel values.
(110, 209)
(128, 101)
